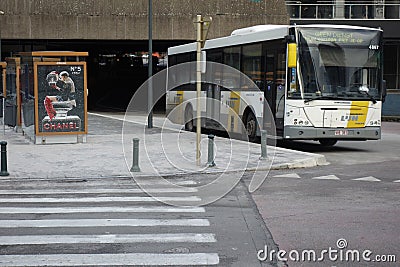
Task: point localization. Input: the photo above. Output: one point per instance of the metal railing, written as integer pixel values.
(376, 9)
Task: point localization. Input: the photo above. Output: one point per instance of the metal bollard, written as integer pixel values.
(211, 162)
(3, 171)
(264, 144)
(135, 160)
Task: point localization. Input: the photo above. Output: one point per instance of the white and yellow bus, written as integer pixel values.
(321, 82)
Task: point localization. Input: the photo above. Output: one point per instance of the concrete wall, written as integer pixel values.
(127, 19)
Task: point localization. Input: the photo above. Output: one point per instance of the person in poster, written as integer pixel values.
(65, 87)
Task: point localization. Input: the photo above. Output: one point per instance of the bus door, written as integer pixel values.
(213, 105)
(274, 91)
(280, 90)
(270, 73)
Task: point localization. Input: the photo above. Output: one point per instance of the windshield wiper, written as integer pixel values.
(324, 98)
(364, 89)
(354, 93)
(371, 98)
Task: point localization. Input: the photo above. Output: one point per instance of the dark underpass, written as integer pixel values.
(115, 69)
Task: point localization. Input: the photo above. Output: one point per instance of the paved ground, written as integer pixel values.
(108, 152)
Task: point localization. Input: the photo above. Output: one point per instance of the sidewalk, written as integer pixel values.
(166, 151)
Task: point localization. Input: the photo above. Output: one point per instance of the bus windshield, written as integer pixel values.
(339, 64)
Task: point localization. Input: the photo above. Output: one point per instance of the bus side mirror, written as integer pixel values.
(384, 92)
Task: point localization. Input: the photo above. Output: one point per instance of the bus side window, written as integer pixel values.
(251, 63)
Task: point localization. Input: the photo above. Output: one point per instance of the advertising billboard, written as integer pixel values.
(60, 103)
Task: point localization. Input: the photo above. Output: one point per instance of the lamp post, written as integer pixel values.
(198, 86)
(202, 26)
(150, 70)
(3, 98)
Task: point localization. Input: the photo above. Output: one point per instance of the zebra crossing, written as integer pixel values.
(102, 223)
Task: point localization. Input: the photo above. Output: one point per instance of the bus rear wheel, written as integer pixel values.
(327, 142)
(189, 125)
(251, 126)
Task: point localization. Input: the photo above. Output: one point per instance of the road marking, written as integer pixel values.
(397, 181)
(157, 182)
(36, 210)
(106, 239)
(327, 177)
(157, 121)
(102, 223)
(287, 175)
(367, 179)
(122, 259)
(97, 199)
(97, 191)
(90, 182)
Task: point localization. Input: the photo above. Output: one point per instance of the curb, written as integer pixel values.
(316, 160)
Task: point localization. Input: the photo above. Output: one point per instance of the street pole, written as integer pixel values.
(198, 87)
(1, 14)
(2, 93)
(150, 70)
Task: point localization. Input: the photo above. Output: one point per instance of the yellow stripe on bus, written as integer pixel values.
(179, 97)
(234, 104)
(358, 114)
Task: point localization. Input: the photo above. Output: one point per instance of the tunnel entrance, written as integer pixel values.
(116, 77)
(116, 69)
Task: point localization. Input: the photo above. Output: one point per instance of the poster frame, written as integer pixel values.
(36, 92)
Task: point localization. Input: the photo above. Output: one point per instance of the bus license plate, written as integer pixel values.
(341, 132)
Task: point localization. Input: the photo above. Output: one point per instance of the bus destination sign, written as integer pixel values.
(348, 37)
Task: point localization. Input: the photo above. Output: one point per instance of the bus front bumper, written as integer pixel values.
(311, 133)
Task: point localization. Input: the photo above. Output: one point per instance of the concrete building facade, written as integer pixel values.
(128, 20)
(114, 32)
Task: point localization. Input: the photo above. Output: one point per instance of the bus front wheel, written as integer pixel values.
(327, 142)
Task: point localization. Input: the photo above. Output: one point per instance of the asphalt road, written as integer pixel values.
(355, 197)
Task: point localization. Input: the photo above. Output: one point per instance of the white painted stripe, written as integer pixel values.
(327, 177)
(123, 259)
(96, 199)
(287, 175)
(96, 191)
(397, 181)
(89, 182)
(36, 210)
(367, 179)
(106, 239)
(164, 182)
(141, 120)
(102, 223)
